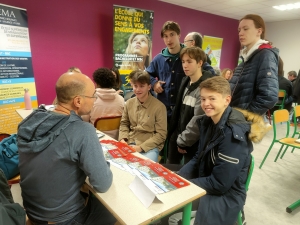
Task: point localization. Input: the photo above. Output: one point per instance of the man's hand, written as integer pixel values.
(181, 150)
(157, 86)
(137, 148)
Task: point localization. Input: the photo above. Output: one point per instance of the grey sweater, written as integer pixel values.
(56, 154)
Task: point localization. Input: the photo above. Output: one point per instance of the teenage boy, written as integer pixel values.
(223, 158)
(166, 70)
(144, 119)
(187, 102)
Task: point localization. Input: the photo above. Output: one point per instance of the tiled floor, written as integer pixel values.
(272, 188)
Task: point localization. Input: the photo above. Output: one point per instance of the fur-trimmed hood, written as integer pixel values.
(258, 125)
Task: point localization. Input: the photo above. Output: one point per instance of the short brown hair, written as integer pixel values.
(217, 84)
(170, 25)
(194, 53)
(292, 73)
(139, 76)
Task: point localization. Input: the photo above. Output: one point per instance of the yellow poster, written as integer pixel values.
(132, 40)
(212, 47)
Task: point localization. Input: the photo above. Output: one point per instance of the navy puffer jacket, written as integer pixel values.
(256, 82)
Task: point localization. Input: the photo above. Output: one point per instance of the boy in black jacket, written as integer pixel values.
(187, 102)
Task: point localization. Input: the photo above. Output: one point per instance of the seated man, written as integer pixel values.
(223, 158)
(144, 120)
(57, 152)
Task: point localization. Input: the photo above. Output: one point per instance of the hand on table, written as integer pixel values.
(181, 150)
(157, 86)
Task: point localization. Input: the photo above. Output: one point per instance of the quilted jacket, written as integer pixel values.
(254, 84)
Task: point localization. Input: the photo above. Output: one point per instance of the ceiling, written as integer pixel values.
(236, 9)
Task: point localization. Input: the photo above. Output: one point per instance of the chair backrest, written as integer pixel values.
(295, 115)
(297, 111)
(250, 171)
(3, 135)
(281, 99)
(281, 93)
(281, 115)
(108, 123)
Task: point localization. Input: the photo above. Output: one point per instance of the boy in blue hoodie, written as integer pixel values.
(166, 70)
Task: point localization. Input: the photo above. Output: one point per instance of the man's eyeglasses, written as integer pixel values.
(95, 96)
(187, 40)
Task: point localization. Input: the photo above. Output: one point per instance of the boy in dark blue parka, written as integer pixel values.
(223, 158)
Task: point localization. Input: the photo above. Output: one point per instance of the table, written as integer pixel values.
(128, 209)
(24, 112)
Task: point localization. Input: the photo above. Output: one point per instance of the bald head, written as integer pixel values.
(193, 39)
(69, 85)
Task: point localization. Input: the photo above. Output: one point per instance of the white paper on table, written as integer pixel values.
(128, 169)
(153, 187)
(142, 192)
(116, 165)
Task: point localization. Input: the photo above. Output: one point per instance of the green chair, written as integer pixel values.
(279, 116)
(296, 132)
(250, 171)
(281, 99)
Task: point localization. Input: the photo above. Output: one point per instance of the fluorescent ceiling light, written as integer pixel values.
(288, 6)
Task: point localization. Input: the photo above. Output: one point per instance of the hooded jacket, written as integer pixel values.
(108, 103)
(57, 153)
(168, 68)
(221, 167)
(188, 104)
(254, 84)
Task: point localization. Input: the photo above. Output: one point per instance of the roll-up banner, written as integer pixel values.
(16, 73)
(132, 40)
(213, 47)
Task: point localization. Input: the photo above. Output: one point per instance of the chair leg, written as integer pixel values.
(284, 152)
(293, 206)
(266, 155)
(240, 221)
(293, 150)
(278, 153)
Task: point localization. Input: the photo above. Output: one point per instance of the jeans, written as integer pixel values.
(151, 154)
(94, 213)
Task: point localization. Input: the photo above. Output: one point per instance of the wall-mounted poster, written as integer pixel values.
(132, 40)
(16, 72)
(212, 47)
